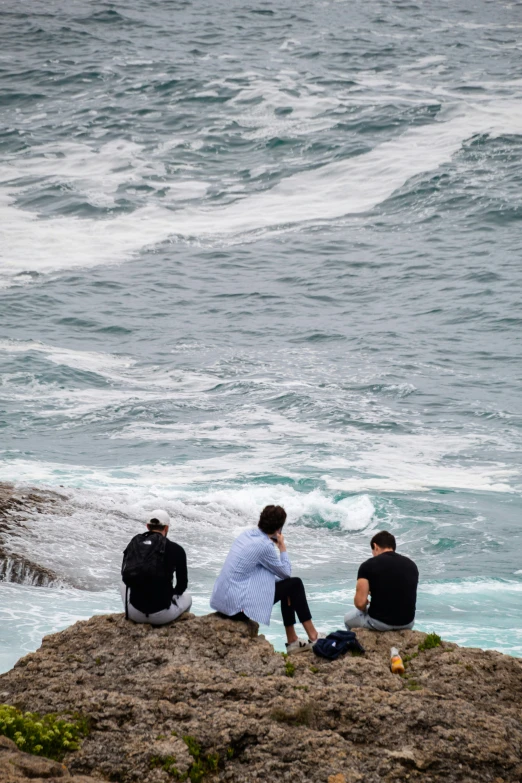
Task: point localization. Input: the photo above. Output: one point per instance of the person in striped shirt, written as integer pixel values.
(255, 576)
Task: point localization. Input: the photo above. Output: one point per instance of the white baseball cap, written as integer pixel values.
(159, 516)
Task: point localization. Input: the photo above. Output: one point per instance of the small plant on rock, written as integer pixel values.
(432, 640)
(289, 669)
(42, 735)
(289, 666)
(203, 762)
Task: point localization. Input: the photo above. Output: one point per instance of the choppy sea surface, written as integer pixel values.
(259, 252)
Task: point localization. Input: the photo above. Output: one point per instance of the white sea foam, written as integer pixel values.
(105, 510)
(346, 187)
(220, 508)
(264, 441)
(92, 361)
(30, 244)
(412, 477)
(143, 382)
(472, 587)
(400, 462)
(28, 613)
(358, 512)
(356, 184)
(98, 173)
(387, 463)
(306, 104)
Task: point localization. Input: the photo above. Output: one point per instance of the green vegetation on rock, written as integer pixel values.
(203, 762)
(289, 666)
(432, 640)
(168, 764)
(413, 685)
(42, 735)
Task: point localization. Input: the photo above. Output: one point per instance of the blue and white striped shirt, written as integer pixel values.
(247, 580)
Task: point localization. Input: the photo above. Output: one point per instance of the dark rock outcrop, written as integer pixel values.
(209, 698)
(19, 569)
(15, 505)
(18, 767)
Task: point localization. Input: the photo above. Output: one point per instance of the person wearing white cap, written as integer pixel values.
(149, 564)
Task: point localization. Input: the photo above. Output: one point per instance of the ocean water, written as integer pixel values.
(257, 252)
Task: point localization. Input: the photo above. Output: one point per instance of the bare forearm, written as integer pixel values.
(362, 592)
(361, 605)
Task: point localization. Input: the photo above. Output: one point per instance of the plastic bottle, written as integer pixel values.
(396, 663)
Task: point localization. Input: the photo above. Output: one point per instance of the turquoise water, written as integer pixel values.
(264, 252)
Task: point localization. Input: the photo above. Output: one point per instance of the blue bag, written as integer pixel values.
(336, 644)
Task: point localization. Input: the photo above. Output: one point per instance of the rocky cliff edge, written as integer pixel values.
(207, 699)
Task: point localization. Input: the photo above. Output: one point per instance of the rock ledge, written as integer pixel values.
(206, 697)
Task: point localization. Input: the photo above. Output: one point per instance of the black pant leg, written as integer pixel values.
(239, 617)
(283, 590)
(292, 589)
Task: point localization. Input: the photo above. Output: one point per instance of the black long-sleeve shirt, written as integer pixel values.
(152, 598)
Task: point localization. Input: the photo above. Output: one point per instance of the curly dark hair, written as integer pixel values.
(272, 519)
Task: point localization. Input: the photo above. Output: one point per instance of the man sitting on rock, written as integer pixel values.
(255, 577)
(149, 563)
(391, 581)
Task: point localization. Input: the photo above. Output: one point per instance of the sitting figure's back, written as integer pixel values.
(149, 564)
(391, 581)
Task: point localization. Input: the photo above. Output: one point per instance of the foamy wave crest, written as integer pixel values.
(347, 187)
(100, 521)
(358, 512)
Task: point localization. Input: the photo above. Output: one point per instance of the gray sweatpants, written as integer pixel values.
(180, 604)
(357, 619)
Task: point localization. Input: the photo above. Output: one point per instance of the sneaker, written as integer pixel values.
(319, 636)
(298, 646)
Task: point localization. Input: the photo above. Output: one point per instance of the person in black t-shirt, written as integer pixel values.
(390, 580)
(156, 600)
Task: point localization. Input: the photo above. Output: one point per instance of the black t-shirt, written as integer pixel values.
(393, 582)
(154, 597)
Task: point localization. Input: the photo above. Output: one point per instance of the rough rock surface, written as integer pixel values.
(15, 505)
(18, 767)
(455, 716)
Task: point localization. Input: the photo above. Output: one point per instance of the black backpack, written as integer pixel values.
(144, 560)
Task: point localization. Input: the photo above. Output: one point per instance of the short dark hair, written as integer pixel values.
(272, 518)
(384, 540)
